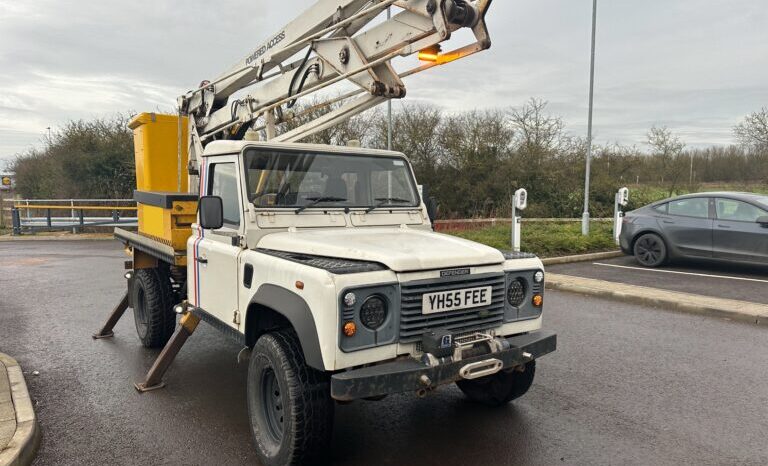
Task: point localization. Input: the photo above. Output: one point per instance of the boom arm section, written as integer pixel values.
(333, 41)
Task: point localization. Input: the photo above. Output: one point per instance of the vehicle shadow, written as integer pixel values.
(444, 428)
(718, 267)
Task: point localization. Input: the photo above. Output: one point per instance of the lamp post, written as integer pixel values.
(389, 104)
(585, 215)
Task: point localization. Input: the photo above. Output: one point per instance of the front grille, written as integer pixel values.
(413, 323)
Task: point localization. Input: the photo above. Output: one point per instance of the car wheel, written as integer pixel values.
(650, 250)
(289, 403)
(152, 308)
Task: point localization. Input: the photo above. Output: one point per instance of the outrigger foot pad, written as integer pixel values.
(99, 336)
(141, 387)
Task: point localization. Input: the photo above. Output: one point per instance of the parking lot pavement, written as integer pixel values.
(720, 280)
(627, 385)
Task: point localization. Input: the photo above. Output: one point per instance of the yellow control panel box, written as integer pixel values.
(156, 148)
(166, 209)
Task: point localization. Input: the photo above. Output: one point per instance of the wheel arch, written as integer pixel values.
(273, 307)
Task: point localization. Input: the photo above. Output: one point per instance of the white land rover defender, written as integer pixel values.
(323, 262)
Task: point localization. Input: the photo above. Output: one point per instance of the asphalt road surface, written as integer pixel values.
(627, 385)
(708, 278)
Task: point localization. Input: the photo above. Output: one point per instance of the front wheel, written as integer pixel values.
(650, 250)
(500, 388)
(289, 403)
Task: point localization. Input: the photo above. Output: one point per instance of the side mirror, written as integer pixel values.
(211, 212)
(763, 221)
(429, 202)
(431, 209)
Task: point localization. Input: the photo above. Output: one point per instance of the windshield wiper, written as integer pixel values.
(385, 201)
(318, 200)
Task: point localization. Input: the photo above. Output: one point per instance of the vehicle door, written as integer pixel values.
(737, 235)
(216, 252)
(688, 226)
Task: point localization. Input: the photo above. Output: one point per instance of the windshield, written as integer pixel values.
(318, 180)
(761, 200)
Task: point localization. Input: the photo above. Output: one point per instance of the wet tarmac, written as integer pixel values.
(708, 278)
(627, 385)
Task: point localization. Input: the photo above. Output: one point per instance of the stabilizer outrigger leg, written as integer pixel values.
(154, 379)
(117, 313)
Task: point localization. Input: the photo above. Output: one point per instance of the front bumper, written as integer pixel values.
(413, 375)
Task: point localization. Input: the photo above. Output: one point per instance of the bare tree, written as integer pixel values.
(753, 131)
(667, 149)
(537, 134)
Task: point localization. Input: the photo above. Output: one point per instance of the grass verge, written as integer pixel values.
(547, 239)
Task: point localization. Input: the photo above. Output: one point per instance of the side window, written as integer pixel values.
(692, 207)
(224, 185)
(730, 209)
(661, 208)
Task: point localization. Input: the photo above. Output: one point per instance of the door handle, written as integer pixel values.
(668, 221)
(723, 226)
(202, 260)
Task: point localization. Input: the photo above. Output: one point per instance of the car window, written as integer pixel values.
(731, 209)
(224, 185)
(690, 207)
(662, 208)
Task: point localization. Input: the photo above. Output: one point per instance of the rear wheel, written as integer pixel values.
(500, 388)
(289, 403)
(152, 307)
(650, 250)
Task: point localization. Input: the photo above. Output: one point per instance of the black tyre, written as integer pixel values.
(500, 388)
(152, 307)
(289, 403)
(650, 250)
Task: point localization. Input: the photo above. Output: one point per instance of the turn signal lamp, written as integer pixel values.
(430, 53)
(350, 329)
(538, 300)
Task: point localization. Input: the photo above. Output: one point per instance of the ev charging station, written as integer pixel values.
(621, 199)
(520, 202)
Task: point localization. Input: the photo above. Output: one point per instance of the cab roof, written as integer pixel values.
(216, 148)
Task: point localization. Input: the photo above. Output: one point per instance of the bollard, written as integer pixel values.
(15, 221)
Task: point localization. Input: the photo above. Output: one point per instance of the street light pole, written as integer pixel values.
(389, 104)
(585, 216)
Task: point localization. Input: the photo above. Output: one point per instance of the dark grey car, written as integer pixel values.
(722, 225)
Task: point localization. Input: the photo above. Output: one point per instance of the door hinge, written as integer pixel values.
(236, 319)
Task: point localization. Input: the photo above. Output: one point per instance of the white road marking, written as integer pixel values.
(682, 273)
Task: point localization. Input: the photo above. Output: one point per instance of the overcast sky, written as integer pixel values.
(696, 66)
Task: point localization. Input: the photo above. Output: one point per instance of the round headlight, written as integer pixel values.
(350, 299)
(373, 312)
(538, 277)
(516, 292)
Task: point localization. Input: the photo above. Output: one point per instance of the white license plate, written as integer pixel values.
(453, 300)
